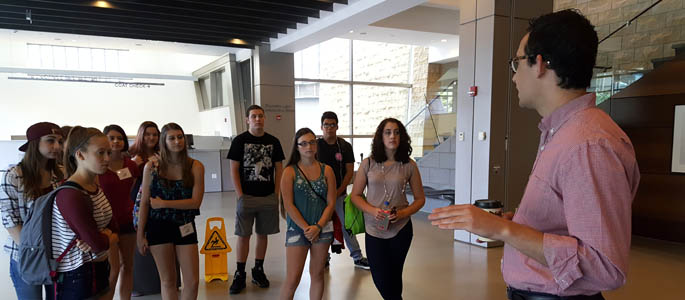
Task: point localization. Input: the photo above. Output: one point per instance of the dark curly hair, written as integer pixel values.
(404, 149)
(568, 41)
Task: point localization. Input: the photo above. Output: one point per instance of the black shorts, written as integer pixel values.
(160, 232)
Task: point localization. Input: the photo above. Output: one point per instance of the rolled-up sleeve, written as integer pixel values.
(597, 186)
(9, 200)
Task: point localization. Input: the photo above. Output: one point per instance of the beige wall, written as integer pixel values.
(651, 36)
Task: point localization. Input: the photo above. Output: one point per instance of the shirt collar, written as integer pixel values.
(563, 113)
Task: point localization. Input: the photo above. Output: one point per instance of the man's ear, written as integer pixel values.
(540, 66)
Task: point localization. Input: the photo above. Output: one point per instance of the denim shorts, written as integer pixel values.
(295, 237)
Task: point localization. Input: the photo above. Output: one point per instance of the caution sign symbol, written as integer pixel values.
(215, 242)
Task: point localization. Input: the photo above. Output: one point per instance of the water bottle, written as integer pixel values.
(382, 224)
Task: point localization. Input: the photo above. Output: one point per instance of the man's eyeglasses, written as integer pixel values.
(329, 125)
(304, 144)
(514, 62)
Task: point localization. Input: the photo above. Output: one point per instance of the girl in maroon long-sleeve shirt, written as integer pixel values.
(117, 183)
(84, 216)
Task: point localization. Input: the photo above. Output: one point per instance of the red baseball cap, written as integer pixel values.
(38, 130)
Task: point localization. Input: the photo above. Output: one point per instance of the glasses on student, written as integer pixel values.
(514, 62)
(304, 144)
(329, 125)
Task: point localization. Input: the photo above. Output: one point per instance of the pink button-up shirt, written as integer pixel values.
(579, 195)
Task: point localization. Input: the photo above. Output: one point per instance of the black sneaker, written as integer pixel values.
(362, 263)
(238, 284)
(259, 278)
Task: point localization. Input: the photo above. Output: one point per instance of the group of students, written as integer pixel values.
(313, 185)
(93, 234)
(148, 195)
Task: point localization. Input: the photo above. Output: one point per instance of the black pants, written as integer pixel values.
(386, 259)
(516, 294)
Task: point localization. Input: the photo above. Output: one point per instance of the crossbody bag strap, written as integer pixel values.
(310, 184)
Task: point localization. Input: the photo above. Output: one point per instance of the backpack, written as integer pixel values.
(36, 265)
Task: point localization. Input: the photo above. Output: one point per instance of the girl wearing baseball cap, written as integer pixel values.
(37, 174)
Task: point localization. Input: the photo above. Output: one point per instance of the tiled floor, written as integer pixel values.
(437, 267)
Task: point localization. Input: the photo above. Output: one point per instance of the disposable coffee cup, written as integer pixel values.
(492, 206)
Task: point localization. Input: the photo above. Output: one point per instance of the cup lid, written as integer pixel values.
(487, 203)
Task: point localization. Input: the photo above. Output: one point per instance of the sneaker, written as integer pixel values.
(259, 278)
(238, 282)
(362, 263)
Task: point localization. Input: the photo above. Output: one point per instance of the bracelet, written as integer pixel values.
(318, 226)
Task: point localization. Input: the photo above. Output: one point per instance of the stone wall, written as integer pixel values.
(650, 36)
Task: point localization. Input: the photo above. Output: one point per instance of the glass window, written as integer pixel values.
(98, 56)
(59, 56)
(71, 54)
(46, 60)
(313, 98)
(85, 61)
(328, 60)
(33, 55)
(381, 62)
(361, 147)
(112, 60)
(372, 104)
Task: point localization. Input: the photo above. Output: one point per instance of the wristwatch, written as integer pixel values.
(318, 226)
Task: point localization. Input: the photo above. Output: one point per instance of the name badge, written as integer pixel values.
(124, 173)
(186, 229)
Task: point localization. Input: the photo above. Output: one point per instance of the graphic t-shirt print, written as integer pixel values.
(257, 162)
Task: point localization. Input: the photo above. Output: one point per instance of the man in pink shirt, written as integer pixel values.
(570, 237)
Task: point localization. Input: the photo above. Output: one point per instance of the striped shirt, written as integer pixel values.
(84, 219)
(13, 205)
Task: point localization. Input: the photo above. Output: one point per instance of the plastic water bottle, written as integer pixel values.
(383, 223)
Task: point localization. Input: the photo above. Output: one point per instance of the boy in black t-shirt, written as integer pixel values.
(256, 167)
(338, 154)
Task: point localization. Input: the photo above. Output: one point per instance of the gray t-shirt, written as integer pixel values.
(386, 182)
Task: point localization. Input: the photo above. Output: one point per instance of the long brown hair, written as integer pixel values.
(404, 148)
(79, 138)
(30, 170)
(138, 147)
(165, 155)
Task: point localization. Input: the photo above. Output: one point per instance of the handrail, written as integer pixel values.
(428, 104)
(629, 21)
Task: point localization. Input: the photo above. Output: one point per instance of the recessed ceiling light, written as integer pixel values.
(351, 31)
(237, 42)
(443, 40)
(102, 4)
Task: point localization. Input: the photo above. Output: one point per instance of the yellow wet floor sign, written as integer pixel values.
(215, 248)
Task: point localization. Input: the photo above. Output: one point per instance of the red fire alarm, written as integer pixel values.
(278, 117)
(473, 91)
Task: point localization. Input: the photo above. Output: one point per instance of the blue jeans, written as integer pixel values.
(350, 240)
(88, 281)
(23, 289)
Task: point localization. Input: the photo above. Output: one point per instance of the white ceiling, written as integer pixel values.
(433, 27)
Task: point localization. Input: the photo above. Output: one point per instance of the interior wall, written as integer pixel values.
(25, 102)
(649, 37)
(658, 207)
